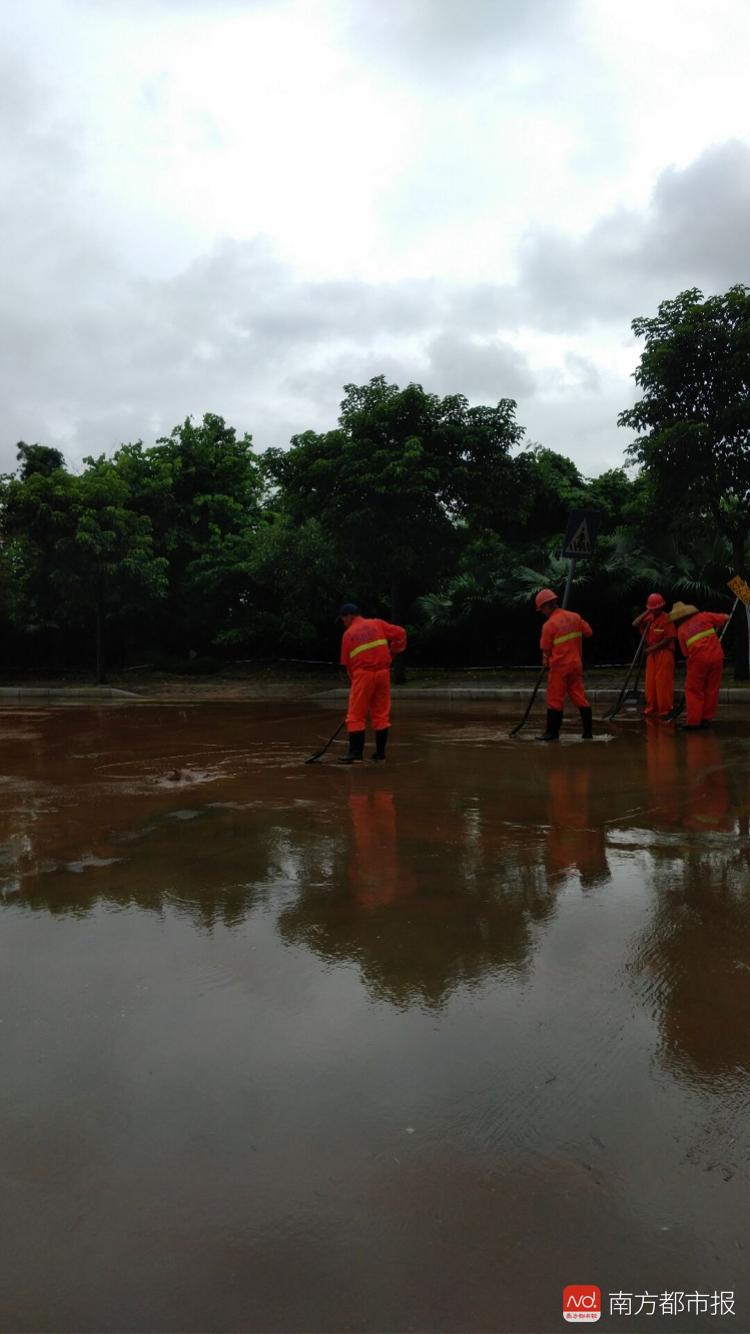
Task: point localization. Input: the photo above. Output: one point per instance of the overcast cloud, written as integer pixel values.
(240, 206)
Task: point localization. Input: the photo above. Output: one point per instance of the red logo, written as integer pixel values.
(582, 1301)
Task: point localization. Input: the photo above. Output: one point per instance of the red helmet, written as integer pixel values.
(654, 601)
(545, 596)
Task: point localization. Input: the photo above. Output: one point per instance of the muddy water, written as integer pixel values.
(290, 1047)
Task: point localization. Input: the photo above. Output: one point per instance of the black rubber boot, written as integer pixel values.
(381, 740)
(588, 730)
(356, 749)
(554, 723)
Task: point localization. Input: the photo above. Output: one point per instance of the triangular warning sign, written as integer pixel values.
(580, 542)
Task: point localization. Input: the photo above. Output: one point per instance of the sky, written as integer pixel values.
(240, 206)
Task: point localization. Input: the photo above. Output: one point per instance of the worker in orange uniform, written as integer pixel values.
(367, 650)
(560, 643)
(696, 632)
(660, 642)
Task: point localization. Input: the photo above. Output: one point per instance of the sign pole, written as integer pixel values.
(569, 580)
(741, 591)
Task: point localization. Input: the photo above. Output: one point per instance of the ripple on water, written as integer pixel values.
(88, 862)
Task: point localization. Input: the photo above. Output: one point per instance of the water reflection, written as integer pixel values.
(708, 785)
(693, 960)
(215, 862)
(191, 1049)
(426, 885)
(689, 781)
(421, 913)
(663, 772)
(376, 873)
(576, 841)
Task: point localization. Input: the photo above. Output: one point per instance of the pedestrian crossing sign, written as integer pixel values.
(580, 534)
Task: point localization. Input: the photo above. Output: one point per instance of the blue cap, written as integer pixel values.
(348, 609)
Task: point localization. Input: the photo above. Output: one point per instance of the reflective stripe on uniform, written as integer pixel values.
(563, 639)
(374, 643)
(701, 635)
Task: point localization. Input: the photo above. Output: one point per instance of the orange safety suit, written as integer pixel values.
(561, 650)
(705, 664)
(660, 663)
(367, 650)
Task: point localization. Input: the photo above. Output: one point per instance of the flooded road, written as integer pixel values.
(403, 1047)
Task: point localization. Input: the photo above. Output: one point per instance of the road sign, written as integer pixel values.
(740, 589)
(580, 534)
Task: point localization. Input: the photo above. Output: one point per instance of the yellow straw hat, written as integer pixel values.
(681, 610)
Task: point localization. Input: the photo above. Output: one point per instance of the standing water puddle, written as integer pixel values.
(402, 1047)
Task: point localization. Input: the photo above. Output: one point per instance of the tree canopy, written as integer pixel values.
(393, 484)
(423, 508)
(694, 416)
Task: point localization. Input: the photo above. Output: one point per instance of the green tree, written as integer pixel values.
(546, 487)
(30, 506)
(273, 588)
(394, 485)
(38, 459)
(201, 489)
(693, 420)
(80, 550)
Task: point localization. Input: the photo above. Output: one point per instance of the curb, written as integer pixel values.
(62, 692)
(597, 693)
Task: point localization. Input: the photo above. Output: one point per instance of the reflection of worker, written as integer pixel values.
(708, 792)
(374, 871)
(561, 653)
(663, 774)
(572, 842)
(696, 631)
(367, 650)
(660, 638)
